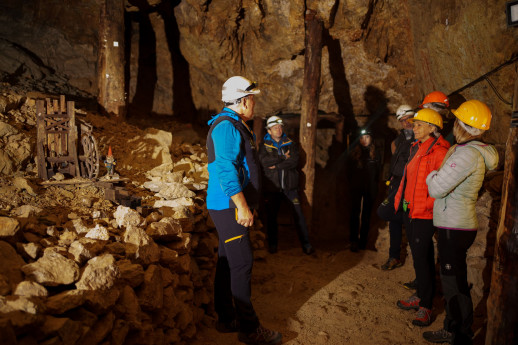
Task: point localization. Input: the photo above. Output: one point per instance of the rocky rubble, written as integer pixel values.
(78, 269)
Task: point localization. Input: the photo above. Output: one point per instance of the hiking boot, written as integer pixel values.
(440, 336)
(308, 250)
(411, 303)
(227, 327)
(354, 247)
(411, 285)
(261, 336)
(391, 264)
(423, 317)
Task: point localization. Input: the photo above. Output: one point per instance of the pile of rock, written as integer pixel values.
(126, 279)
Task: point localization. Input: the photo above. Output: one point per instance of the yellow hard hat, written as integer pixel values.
(474, 113)
(428, 115)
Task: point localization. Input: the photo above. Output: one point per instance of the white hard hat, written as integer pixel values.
(238, 87)
(273, 121)
(404, 110)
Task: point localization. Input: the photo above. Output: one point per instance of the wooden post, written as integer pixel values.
(111, 58)
(72, 138)
(309, 103)
(258, 129)
(40, 139)
(502, 303)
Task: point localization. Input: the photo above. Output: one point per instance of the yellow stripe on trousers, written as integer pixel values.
(234, 238)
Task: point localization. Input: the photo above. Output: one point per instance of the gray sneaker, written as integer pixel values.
(261, 336)
(391, 264)
(440, 336)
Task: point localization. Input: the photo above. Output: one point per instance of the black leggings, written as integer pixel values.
(453, 247)
(420, 237)
(359, 233)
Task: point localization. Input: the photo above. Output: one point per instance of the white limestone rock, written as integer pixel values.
(127, 217)
(98, 233)
(52, 269)
(100, 273)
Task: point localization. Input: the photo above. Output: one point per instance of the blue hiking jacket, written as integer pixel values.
(229, 173)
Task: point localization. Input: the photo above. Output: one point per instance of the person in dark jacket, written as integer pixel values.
(279, 157)
(363, 167)
(400, 148)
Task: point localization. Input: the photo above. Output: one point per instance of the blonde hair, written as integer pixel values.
(461, 136)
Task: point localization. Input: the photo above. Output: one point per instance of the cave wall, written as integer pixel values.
(456, 42)
(377, 54)
(50, 42)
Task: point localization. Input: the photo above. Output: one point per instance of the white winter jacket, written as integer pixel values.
(456, 185)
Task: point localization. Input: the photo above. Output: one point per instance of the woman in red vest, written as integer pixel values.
(426, 155)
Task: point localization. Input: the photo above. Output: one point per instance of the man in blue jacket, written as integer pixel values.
(232, 194)
(279, 157)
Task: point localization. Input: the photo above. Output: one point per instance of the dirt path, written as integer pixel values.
(333, 297)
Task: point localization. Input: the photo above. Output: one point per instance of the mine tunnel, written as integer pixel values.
(114, 168)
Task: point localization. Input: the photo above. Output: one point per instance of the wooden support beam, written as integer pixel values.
(40, 139)
(72, 137)
(111, 58)
(258, 129)
(309, 103)
(502, 303)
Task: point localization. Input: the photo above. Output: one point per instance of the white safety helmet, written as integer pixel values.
(404, 110)
(238, 87)
(273, 121)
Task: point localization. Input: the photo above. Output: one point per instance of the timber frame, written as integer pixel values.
(57, 141)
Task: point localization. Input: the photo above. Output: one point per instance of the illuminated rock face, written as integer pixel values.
(375, 54)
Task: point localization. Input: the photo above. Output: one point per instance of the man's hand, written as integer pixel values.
(272, 167)
(287, 154)
(245, 217)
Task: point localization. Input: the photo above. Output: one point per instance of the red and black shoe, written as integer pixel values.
(411, 303)
(423, 317)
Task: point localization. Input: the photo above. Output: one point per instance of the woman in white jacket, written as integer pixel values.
(455, 187)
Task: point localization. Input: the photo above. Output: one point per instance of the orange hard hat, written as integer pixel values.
(436, 97)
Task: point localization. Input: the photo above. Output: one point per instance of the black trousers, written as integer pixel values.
(453, 247)
(232, 284)
(359, 233)
(273, 203)
(420, 237)
(396, 225)
(396, 236)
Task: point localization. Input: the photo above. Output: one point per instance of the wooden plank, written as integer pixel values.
(309, 104)
(72, 137)
(62, 104)
(55, 106)
(60, 159)
(49, 106)
(502, 303)
(41, 136)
